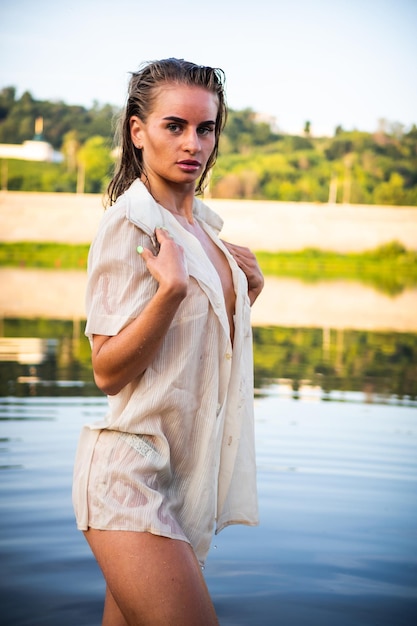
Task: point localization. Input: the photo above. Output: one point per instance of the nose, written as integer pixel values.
(192, 142)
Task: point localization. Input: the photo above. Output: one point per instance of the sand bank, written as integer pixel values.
(71, 218)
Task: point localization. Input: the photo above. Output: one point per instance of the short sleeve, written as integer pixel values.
(119, 284)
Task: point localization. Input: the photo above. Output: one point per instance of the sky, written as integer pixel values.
(331, 62)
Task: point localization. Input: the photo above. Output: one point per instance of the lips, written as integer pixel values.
(189, 163)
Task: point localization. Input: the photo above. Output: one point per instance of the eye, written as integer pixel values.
(205, 130)
(173, 127)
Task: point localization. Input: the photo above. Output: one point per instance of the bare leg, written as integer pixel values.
(155, 581)
(112, 616)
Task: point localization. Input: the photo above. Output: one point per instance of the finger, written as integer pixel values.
(239, 251)
(144, 253)
(162, 233)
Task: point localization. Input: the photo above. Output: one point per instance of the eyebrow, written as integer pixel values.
(179, 120)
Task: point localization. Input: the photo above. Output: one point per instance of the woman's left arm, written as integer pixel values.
(249, 265)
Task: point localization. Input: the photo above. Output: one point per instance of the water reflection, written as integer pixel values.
(59, 294)
(41, 357)
(336, 364)
(334, 304)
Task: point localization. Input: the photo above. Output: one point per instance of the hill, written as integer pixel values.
(255, 161)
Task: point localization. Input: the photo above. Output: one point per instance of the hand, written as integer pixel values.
(247, 262)
(169, 266)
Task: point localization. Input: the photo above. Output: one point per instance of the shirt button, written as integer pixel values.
(228, 356)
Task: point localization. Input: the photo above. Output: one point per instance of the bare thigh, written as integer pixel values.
(155, 581)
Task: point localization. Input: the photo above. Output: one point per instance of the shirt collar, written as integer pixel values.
(143, 211)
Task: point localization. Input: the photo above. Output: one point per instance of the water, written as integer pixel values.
(336, 431)
(337, 542)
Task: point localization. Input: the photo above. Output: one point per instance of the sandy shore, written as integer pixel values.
(260, 225)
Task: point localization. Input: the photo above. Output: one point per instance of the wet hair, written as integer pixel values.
(142, 92)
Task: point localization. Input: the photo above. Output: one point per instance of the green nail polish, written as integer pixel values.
(139, 249)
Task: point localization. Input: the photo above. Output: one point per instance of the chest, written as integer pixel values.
(216, 256)
(219, 262)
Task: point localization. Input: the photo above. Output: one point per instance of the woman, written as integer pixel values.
(168, 320)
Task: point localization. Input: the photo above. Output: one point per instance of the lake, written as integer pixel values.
(336, 433)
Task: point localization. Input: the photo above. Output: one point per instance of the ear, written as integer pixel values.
(136, 131)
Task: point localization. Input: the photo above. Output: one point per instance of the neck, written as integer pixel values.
(179, 200)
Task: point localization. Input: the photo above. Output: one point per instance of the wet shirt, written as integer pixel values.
(175, 453)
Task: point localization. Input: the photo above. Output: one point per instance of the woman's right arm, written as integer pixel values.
(119, 359)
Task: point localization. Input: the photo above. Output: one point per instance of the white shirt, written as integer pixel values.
(190, 416)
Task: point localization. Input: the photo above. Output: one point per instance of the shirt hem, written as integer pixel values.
(234, 523)
(152, 531)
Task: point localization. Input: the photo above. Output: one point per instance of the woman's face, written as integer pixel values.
(178, 137)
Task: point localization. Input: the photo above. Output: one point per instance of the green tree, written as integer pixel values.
(94, 162)
(7, 100)
(391, 192)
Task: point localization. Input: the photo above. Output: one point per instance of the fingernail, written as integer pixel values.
(139, 249)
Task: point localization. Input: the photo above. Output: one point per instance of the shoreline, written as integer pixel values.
(260, 225)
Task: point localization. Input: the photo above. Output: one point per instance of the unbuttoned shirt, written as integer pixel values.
(195, 400)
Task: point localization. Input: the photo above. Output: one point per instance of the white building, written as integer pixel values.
(32, 150)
